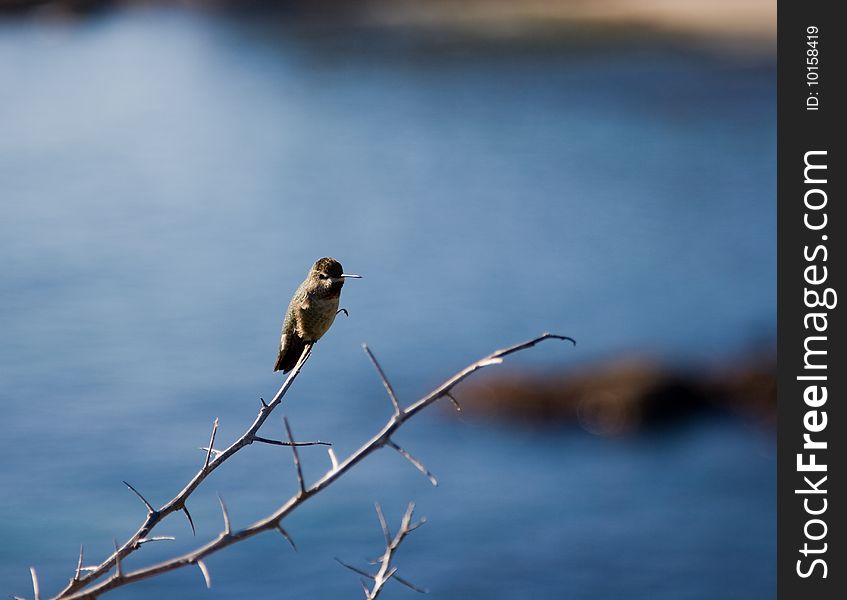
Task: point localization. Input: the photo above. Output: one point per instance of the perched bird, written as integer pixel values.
(311, 311)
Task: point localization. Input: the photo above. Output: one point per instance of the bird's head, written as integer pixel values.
(328, 276)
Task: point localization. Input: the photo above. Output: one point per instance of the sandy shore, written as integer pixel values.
(753, 20)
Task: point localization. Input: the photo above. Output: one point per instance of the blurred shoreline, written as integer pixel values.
(749, 23)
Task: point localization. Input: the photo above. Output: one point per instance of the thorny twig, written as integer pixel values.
(386, 570)
(213, 459)
(272, 521)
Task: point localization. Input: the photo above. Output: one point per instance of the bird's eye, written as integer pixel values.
(324, 276)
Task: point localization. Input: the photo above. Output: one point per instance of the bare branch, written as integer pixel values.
(405, 529)
(397, 578)
(386, 384)
(418, 464)
(206, 577)
(211, 445)
(177, 503)
(149, 506)
(296, 456)
(379, 440)
(227, 524)
(386, 569)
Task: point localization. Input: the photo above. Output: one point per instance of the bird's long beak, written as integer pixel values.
(349, 275)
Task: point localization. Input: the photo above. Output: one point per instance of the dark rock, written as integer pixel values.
(626, 393)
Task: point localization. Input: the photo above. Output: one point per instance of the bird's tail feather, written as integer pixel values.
(290, 353)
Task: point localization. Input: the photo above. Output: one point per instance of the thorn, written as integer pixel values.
(35, 587)
(211, 444)
(365, 588)
(333, 458)
(264, 404)
(79, 563)
(529, 344)
(382, 523)
(287, 537)
(565, 338)
(490, 361)
(296, 456)
(354, 569)
(342, 310)
(256, 438)
(418, 464)
(227, 524)
(385, 383)
(454, 401)
(407, 517)
(390, 573)
(410, 585)
(150, 508)
(205, 572)
(118, 573)
(188, 516)
(414, 526)
(155, 538)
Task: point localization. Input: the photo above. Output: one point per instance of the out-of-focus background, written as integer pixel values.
(494, 169)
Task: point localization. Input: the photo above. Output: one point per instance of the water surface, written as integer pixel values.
(168, 179)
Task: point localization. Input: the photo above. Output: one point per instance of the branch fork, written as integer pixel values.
(386, 569)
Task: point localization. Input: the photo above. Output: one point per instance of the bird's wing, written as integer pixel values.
(299, 301)
(289, 324)
(291, 348)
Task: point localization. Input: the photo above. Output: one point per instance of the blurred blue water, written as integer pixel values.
(167, 180)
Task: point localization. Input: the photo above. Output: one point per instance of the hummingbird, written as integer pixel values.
(311, 311)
